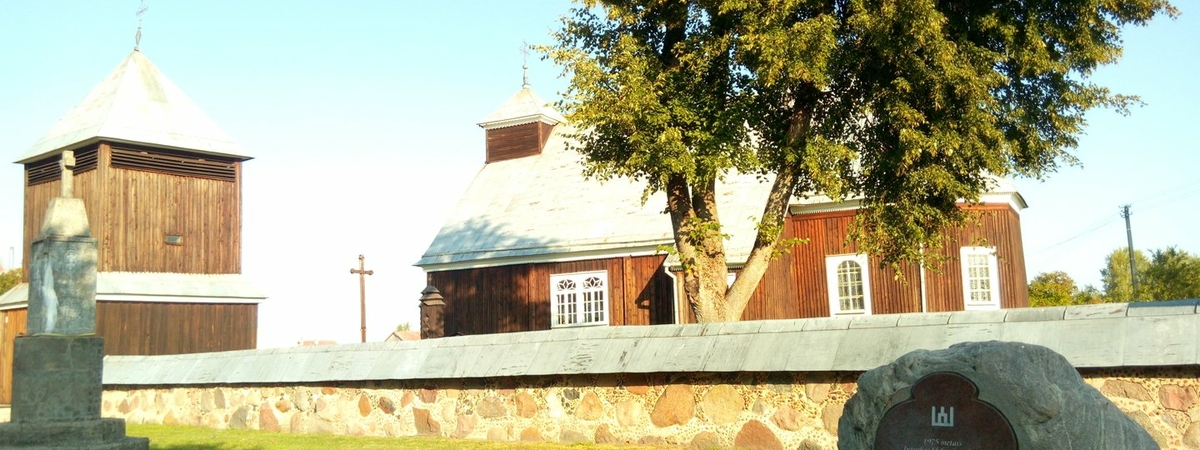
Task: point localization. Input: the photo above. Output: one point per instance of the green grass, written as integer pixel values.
(178, 437)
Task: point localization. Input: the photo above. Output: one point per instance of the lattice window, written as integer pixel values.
(981, 287)
(849, 284)
(579, 299)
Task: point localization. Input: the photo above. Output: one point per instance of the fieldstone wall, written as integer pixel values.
(746, 410)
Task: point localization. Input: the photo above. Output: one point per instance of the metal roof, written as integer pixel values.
(1091, 336)
(136, 104)
(159, 287)
(543, 207)
(523, 107)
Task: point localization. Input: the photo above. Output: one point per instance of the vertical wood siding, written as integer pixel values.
(140, 328)
(517, 141)
(796, 285)
(517, 297)
(132, 211)
(12, 324)
(998, 226)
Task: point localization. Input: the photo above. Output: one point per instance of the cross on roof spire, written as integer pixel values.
(525, 64)
(137, 37)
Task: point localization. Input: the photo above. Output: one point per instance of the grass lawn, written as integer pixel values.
(178, 437)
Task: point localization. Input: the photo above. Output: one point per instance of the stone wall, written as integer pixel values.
(797, 410)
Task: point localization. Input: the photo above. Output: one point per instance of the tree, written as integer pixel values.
(1116, 278)
(1088, 295)
(404, 327)
(908, 105)
(1051, 289)
(9, 279)
(1172, 274)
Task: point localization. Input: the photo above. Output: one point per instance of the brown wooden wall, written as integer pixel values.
(998, 226)
(796, 286)
(517, 141)
(143, 328)
(12, 324)
(517, 297)
(132, 211)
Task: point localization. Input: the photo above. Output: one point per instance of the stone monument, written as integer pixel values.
(983, 395)
(57, 365)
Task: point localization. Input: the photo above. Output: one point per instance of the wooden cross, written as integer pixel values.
(67, 164)
(362, 291)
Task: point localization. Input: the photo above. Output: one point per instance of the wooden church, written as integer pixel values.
(535, 245)
(161, 184)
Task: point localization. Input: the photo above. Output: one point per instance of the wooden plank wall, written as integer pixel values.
(12, 324)
(141, 328)
(517, 297)
(132, 211)
(999, 226)
(516, 141)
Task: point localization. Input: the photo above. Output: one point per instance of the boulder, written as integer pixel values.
(1040, 394)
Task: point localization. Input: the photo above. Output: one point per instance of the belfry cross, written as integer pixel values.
(362, 291)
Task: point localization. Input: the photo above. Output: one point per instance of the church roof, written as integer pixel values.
(136, 104)
(542, 207)
(523, 107)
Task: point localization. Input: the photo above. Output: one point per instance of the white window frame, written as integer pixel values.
(581, 293)
(993, 279)
(832, 263)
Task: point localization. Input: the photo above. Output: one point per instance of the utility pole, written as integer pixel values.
(1132, 268)
(362, 292)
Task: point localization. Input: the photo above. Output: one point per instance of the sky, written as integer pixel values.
(361, 117)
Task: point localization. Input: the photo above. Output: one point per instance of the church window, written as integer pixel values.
(579, 299)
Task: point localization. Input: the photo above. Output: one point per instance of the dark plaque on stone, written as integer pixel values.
(944, 412)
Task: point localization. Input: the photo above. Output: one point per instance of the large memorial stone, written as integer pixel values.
(57, 368)
(993, 395)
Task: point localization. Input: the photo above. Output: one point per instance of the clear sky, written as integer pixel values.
(361, 118)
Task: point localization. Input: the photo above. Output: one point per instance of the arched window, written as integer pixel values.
(849, 284)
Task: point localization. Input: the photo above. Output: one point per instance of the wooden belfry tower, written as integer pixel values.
(162, 188)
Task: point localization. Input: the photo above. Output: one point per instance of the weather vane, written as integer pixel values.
(137, 38)
(525, 64)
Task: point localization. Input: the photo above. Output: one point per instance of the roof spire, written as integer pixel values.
(137, 37)
(525, 65)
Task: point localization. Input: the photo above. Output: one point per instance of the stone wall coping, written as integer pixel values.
(1163, 333)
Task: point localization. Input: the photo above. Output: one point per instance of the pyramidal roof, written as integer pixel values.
(523, 107)
(136, 104)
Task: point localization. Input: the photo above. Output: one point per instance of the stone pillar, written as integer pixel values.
(58, 366)
(433, 309)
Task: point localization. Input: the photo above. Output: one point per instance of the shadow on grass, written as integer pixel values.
(202, 447)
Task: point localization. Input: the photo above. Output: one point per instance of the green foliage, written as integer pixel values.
(404, 327)
(1172, 274)
(1116, 277)
(908, 105)
(1052, 289)
(1088, 295)
(9, 279)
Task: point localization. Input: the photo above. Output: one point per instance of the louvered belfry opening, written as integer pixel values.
(517, 141)
(137, 158)
(174, 162)
(48, 170)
